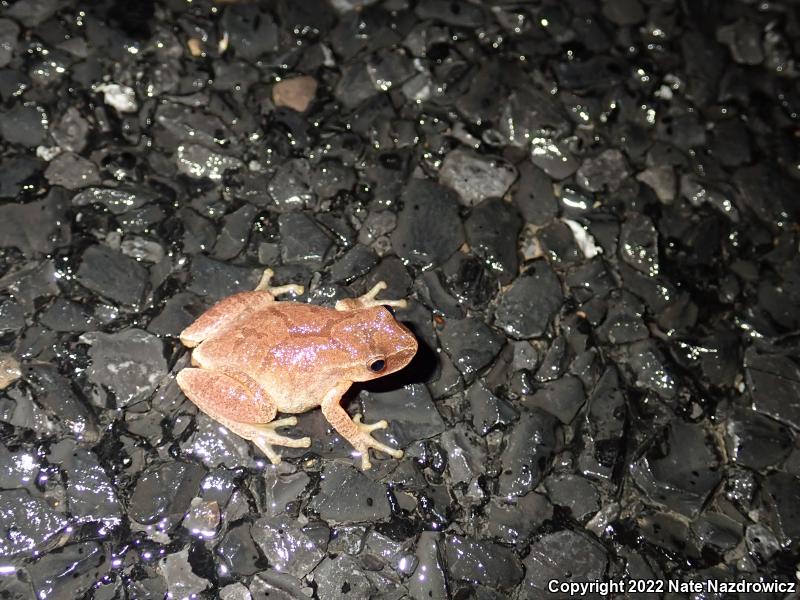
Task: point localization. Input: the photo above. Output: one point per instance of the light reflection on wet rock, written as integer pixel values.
(526, 308)
(476, 177)
(28, 522)
(134, 377)
(288, 546)
(592, 208)
(365, 500)
(565, 556)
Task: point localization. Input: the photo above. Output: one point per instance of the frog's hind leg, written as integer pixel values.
(368, 300)
(224, 314)
(240, 404)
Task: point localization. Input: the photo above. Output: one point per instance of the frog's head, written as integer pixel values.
(378, 344)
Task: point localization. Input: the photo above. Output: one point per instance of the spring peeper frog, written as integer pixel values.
(254, 357)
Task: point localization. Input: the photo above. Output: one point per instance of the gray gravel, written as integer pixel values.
(591, 206)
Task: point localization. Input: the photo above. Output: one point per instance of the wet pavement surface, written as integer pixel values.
(593, 207)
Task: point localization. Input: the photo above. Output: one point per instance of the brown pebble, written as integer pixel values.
(296, 93)
(9, 370)
(195, 47)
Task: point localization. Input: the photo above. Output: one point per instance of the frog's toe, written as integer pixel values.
(287, 422)
(264, 286)
(370, 427)
(301, 443)
(366, 441)
(268, 451)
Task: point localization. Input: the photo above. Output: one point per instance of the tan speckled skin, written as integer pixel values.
(255, 356)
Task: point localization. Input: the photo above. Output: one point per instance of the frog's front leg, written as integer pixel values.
(368, 300)
(353, 430)
(236, 401)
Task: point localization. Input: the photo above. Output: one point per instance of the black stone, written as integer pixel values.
(527, 307)
(428, 228)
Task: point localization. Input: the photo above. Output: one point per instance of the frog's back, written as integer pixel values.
(269, 338)
(298, 319)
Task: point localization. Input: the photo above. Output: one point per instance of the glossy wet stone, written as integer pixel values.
(623, 323)
(24, 125)
(279, 585)
(755, 440)
(649, 367)
(85, 562)
(562, 552)
(781, 493)
(130, 363)
(181, 580)
(410, 411)
(574, 492)
(213, 280)
(354, 263)
(471, 280)
(492, 230)
(605, 171)
(591, 208)
(365, 501)
(164, 491)
(28, 522)
(639, 244)
(52, 392)
(682, 473)
(513, 522)
(488, 411)
(64, 315)
(302, 240)
(526, 308)
(774, 383)
(238, 551)
(482, 562)
(289, 547)
(283, 489)
(530, 446)
(341, 575)
(553, 157)
(112, 275)
(72, 172)
(476, 178)
(200, 162)
(470, 343)
(214, 445)
(429, 578)
(466, 456)
(90, 493)
(428, 228)
(235, 232)
(37, 227)
(12, 316)
(562, 398)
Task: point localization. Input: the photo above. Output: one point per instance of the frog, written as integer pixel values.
(253, 356)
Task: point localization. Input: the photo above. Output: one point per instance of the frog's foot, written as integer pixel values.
(368, 300)
(264, 437)
(263, 285)
(364, 441)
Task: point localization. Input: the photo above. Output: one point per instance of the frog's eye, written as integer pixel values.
(376, 365)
